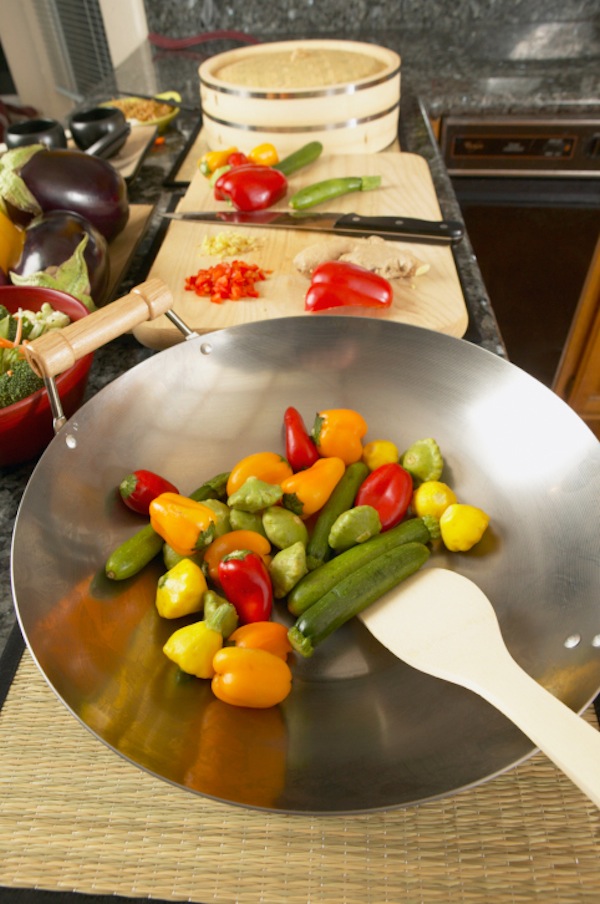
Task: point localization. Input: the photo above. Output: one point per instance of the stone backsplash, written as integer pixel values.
(340, 18)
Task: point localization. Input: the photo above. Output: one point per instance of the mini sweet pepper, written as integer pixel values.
(186, 525)
(307, 491)
(247, 585)
(250, 677)
(338, 432)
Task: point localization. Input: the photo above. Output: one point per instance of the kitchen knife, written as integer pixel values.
(407, 229)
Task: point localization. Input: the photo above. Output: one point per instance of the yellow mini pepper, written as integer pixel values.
(462, 526)
(338, 433)
(249, 677)
(264, 155)
(267, 466)
(380, 452)
(213, 160)
(186, 525)
(180, 590)
(305, 492)
(193, 649)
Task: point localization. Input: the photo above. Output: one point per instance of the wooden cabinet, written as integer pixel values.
(577, 379)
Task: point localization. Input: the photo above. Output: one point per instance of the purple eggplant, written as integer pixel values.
(52, 239)
(59, 179)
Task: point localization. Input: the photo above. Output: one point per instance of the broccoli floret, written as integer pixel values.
(18, 383)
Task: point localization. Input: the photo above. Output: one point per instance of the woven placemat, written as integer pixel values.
(74, 816)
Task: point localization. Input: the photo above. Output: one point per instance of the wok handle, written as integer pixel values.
(57, 350)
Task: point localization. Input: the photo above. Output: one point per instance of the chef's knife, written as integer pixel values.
(407, 229)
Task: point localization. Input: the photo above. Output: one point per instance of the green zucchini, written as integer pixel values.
(302, 157)
(329, 189)
(138, 550)
(131, 556)
(318, 550)
(354, 593)
(316, 583)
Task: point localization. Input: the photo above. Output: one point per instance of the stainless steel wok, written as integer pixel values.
(361, 731)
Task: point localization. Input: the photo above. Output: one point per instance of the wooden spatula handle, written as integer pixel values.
(568, 740)
(57, 350)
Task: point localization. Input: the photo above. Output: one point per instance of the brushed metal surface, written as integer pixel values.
(361, 731)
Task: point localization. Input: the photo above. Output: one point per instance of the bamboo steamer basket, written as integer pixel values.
(352, 114)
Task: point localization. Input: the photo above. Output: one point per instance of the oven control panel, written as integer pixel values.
(515, 146)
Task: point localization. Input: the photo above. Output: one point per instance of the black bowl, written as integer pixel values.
(35, 131)
(90, 126)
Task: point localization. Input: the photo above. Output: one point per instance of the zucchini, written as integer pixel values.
(354, 593)
(131, 556)
(138, 550)
(316, 583)
(302, 157)
(329, 189)
(318, 550)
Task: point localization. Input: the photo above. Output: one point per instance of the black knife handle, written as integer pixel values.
(446, 231)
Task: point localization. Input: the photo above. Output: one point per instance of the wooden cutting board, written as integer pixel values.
(434, 300)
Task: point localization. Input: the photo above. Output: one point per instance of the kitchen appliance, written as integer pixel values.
(529, 190)
(360, 731)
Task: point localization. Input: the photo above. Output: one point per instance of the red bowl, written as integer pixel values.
(26, 427)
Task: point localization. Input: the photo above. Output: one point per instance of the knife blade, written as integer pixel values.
(407, 229)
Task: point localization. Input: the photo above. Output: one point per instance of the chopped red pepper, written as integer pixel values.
(227, 281)
(300, 450)
(247, 585)
(251, 187)
(388, 489)
(337, 284)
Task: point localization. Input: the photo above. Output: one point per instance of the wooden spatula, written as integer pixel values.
(441, 623)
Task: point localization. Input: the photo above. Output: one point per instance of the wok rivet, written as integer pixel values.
(573, 641)
(596, 641)
(205, 348)
(71, 441)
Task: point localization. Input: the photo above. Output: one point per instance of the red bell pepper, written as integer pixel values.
(251, 187)
(300, 450)
(388, 489)
(139, 488)
(247, 585)
(337, 284)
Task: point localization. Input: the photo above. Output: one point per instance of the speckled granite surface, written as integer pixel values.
(493, 62)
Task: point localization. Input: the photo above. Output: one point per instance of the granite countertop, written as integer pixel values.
(509, 71)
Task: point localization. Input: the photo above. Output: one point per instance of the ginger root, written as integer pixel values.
(373, 253)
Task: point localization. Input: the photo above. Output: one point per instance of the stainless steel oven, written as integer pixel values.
(529, 189)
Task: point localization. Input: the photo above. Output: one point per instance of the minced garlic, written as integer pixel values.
(226, 244)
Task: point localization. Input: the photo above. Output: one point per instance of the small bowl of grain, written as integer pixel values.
(141, 111)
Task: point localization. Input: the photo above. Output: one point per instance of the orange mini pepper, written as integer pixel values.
(187, 526)
(247, 677)
(338, 432)
(231, 541)
(264, 635)
(307, 491)
(267, 466)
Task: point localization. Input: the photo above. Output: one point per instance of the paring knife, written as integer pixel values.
(407, 229)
